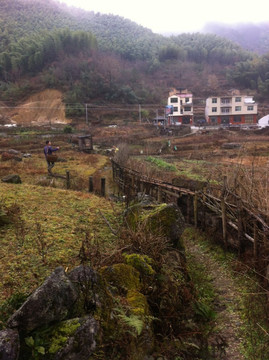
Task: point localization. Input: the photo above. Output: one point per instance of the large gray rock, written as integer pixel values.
(12, 179)
(51, 302)
(83, 275)
(80, 345)
(85, 280)
(14, 152)
(9, 344)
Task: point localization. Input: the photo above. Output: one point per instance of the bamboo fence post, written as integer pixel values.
(195, 209)
(133, 185)
(67, 179)
(223, 212)
(103, 186)
(90, 184)
(204, 207)
(159, 194)
(240, 228)
(224, 221)
(188, 208)
(113, 171)
(255, 245)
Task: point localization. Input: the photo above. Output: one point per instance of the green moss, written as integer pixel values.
(161, 218)
(123, 277)
(138, 303)
(61, 334)
(142, 263)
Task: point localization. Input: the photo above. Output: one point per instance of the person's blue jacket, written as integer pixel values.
(48, 150)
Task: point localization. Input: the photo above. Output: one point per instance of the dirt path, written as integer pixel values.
(225, 341)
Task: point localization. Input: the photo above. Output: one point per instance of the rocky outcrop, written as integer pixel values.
(68, 316)
(9, 344)
(12, 179)
(51, 302)
(81, 344)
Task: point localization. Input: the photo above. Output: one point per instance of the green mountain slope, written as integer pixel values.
(105, 58)
(23, 18)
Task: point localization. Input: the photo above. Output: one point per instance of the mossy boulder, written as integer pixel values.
(12, 179)
(142, 263)
(70, 339)
(161, 219)
(80, 343)
(125, 315)
(121, 278)
(138, 303)
(51, 302)
(86, 281)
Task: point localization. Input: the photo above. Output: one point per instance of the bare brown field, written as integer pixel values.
(204, 157)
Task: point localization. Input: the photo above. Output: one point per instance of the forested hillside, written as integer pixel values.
(104, 58)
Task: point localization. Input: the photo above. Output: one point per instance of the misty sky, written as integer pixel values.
(179, 16)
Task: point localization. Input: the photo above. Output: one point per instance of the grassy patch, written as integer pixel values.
(161, 163)
(202, 280)
(253, 304)
(47, 229)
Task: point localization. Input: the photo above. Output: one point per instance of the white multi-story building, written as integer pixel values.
(179, 107)
(231, 110)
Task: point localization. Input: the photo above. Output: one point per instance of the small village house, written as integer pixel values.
(179, 109)
(233, 109)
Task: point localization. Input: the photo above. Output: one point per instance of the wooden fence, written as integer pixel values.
(214, 209)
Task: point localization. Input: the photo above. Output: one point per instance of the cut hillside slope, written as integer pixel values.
(44, 108)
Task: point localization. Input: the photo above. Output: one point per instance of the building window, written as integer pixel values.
(237, 119)
(175, 108)
(214, 100)
(225, 110)
(250, 107)
(174, 100)
(187, 100)
(187, 108)
(214, 109)
(225, 100)
(238, 99)
(238, 108)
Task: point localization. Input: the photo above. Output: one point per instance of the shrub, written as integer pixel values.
(68, 129)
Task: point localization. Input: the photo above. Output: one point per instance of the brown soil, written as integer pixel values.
(44, 108)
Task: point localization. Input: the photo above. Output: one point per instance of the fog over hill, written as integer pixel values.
(252, 37)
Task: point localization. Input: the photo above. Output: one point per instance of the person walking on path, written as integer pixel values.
(48, 150)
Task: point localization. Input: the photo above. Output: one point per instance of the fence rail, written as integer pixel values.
(238, 225)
